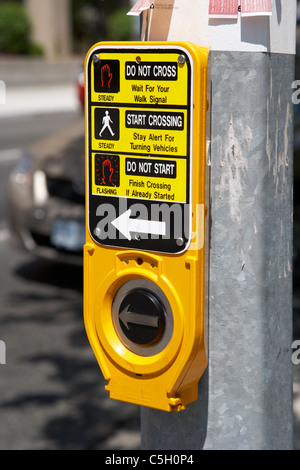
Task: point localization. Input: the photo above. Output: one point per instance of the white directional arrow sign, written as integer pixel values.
(125, 225)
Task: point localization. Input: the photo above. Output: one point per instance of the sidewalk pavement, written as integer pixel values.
(25, 71)
(35, 85)
(22, 101)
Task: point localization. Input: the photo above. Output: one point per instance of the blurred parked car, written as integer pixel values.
(80, 88)
(46, 197)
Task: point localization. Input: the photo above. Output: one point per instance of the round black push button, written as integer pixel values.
(142, 317)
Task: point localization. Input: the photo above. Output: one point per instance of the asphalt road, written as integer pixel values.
(17, 132)
(52, 393)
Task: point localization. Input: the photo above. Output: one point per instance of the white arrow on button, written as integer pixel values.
(125, 225)
(127, 316)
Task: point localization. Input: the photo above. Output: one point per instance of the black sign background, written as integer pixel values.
(133, 167)
(154, 120)
(151, 71)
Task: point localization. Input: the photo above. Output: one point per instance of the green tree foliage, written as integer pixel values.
(99, 20)
(15, 30)
(119, 25)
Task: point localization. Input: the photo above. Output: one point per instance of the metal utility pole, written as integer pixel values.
(245, 396)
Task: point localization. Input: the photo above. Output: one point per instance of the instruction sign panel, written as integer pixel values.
(139, 116)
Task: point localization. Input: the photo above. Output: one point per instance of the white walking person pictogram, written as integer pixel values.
(106, 124)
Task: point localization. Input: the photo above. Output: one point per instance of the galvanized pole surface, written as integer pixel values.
(245, 396)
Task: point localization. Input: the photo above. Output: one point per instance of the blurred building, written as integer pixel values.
(52, 25)
(63, 27)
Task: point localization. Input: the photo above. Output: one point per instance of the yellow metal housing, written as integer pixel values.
(166, 380)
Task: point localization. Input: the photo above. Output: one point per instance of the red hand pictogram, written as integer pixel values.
(106, 76)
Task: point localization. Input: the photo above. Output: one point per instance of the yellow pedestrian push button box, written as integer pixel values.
(146, 218)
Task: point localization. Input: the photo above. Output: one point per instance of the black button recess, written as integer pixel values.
(142, 317)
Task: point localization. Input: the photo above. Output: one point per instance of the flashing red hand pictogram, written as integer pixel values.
(107, 171)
